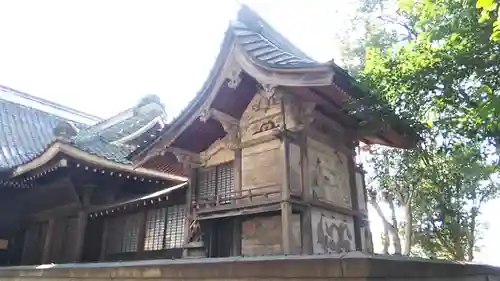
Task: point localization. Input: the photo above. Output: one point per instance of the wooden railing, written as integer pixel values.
(240, 197)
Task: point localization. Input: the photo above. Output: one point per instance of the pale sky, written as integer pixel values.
(101, 57)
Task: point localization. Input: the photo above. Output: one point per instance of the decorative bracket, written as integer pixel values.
(187, 158)
(230, 125)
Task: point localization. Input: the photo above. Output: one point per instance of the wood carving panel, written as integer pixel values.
(328, 174)
(332, 232)
(298, 113)
(262, 115)
(262, 166)
(261, 236)
(217, 153)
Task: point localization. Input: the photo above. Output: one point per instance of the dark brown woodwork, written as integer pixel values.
(47, 243)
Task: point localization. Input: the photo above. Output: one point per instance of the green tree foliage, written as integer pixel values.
(454, 187)
(489, 7)
(437, 63)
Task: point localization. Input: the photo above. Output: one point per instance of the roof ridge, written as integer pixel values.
(43, 112)
(48, 103)
(119, 118)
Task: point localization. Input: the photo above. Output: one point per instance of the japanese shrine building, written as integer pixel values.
(260, 162)
(269, 151)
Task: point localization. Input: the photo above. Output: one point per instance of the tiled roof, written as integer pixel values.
(26, 132)
(18, 97)
(133, 119)
(267, 45)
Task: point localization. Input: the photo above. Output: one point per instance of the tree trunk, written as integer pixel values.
(396, 239)
(388, 227)
(472, 235)
(408, 230)
(385, 240)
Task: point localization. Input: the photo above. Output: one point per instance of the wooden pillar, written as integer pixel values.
(104, 241)
(30, 244)
(286, 207)
(142, 232)
(47, 244)
(236, 247)
(354, 199)
(238, 185)
(306, 231)
(305, 223)
(81, 225)
(238, 174)
(286, 214)
(189, 210)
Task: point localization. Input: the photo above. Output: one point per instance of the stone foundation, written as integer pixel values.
(352, 266)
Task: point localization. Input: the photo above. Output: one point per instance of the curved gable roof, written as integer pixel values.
(268, 57)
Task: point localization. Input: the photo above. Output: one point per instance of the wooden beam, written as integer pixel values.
(48, 214)
(185, 156)
(223, 117)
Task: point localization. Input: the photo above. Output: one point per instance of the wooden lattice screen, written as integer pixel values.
(217, 180)
(123, 234)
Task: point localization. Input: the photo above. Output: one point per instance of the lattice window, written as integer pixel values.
(165, 228)
(123, 234)
(225, 180)
(131, 233)
(174, 235)
(155, 229)
(207, 184)
(216, 180)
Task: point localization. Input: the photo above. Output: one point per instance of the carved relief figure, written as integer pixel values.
(333, 235)
(329, 177)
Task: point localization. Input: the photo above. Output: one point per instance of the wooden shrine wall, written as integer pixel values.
(328, 173)
(331, 232)
(261, 236)
(262, 159)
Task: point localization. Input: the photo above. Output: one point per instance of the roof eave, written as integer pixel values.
(59, 147)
